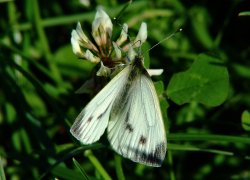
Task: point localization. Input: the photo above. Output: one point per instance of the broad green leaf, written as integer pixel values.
(245, 120)
(206, 82)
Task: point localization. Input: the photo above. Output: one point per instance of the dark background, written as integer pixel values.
(39, 75)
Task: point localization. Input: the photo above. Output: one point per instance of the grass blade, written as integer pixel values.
(84, 175)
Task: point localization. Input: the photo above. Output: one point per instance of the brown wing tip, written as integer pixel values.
(154, 158)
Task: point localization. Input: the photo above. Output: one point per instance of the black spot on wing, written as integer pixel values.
(156, 157)
(127, 117)
(74, 130)
(89, 119)
(100, 116)
(143, 140)
(129, 128)
(76, 127)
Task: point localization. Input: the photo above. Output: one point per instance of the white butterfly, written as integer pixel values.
(129, 108)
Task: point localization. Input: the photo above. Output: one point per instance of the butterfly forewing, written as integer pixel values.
(136, 128)
(93, 119)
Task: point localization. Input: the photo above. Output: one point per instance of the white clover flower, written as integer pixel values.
(110, 53)
(101, 49)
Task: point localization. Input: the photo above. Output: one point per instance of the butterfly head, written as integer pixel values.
(138, 60)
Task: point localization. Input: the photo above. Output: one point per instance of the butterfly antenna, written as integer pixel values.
(168, 37)
(140, 44)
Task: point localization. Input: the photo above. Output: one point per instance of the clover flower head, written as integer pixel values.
(103, 49)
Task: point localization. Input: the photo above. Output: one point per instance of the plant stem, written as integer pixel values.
(118, 167)
(170, 161)
(97, 164)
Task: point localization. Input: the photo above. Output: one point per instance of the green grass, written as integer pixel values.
(203, 92)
